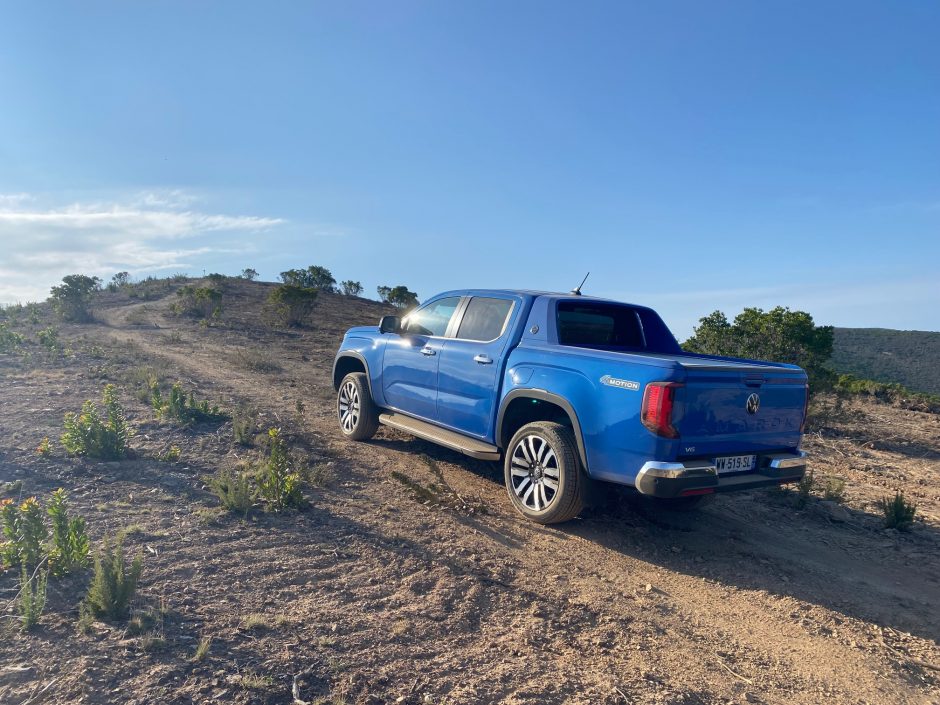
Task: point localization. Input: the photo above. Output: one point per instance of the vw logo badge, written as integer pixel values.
(753, 404)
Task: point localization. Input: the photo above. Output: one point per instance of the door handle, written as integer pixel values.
(483, 359)
(428, 351)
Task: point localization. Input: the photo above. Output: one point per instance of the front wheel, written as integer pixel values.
(356, 412)
(543, 473)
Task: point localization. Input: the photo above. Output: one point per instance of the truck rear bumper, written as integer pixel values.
(694, 477)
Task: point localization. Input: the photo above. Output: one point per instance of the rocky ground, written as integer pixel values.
(411, 580)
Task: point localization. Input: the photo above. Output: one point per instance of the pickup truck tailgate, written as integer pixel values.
(724, 411)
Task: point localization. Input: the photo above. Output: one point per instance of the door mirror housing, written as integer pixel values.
(390, 324)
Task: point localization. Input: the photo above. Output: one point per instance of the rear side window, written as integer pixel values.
(484, 319)
(433, 318)
(605, 326)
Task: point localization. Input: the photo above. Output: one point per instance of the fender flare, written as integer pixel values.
(542, 395)
(356, 356)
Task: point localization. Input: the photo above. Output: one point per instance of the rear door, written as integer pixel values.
(472, 363)
(410, 364)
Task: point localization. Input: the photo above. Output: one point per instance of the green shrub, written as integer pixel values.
(31, 597)
(10, 340)
(249, 274)
(72, 298)
(313, 277)
(899, 513)
(780, 335)
(244, 426)
(804, 489)
(24, 533)
(834, 489)
(114, 584)
(44, 449)
(236, 490)
(49, 339)
(850, 385)
(170, 455)
(178, 406)
(90, 435)
(292, 304)
(69, 549)
(278, 485)
(200, 302)
(119, 281)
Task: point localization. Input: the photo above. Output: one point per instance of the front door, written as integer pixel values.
(409, 368)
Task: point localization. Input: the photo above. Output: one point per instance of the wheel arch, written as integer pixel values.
(522, 406)
(350, 361)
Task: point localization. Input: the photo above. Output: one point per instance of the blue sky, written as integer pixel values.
(691, 155)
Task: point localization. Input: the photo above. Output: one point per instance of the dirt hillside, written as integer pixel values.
(411, 580)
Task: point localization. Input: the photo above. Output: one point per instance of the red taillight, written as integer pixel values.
(805, 408)
(656, 414)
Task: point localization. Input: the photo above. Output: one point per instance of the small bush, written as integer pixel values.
(351, 288)
(202, 648)
(244, 426)
(170, 455)
(236, 490)
(292, 304)
(278, 485)
(899, 513)
(72, 298)
(49, 339)
(89, 435)
(804, 489)
(834, 489)
(10, 340)
(24, 533)
(31, 598)
(199, 302)
(113, 585)
(44, 449)
(69, 549)
(178, 406)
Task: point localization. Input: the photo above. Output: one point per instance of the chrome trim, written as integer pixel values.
(694, 468)
(783, 461)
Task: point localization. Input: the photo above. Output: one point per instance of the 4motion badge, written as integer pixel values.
(620, 383)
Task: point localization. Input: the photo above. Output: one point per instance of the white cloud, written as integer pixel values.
(150, 232)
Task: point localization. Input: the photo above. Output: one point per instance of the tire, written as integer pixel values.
(356, 413)
(542, 454)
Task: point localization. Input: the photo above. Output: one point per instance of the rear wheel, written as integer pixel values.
(543, 473)
(356, 412)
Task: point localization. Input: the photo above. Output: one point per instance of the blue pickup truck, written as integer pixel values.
(570, 390)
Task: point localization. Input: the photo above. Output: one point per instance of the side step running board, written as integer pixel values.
(441, 436)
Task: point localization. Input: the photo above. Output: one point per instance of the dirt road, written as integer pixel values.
(411, 580)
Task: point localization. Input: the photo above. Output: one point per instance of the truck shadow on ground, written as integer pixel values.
(762, 543)
(752, 541)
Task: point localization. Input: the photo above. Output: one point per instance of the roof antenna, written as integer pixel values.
(577, 290)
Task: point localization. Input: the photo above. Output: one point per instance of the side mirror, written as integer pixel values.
(390, 324)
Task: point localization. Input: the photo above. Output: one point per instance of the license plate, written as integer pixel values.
(736, 463)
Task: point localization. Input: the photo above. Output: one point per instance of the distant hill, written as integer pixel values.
(910, 357)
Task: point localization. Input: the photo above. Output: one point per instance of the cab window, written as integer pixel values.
(433, 319)
(484, 319)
